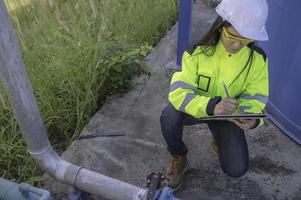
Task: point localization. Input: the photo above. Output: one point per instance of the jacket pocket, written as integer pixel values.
(205, 83)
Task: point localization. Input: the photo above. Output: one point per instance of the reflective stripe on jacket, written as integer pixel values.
(202, 77)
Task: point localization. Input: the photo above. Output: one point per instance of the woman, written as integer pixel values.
(225, 57)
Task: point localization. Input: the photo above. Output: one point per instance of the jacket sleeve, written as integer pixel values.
(183, 87)
(255, 96)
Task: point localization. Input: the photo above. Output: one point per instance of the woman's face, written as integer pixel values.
(232, 46)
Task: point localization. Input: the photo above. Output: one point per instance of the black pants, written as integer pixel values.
(229, 138)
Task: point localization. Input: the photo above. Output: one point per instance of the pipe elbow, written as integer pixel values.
(55, 166)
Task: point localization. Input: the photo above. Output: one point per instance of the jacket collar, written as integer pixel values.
(221, 51)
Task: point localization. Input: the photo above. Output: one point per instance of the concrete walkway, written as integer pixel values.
(275, 164)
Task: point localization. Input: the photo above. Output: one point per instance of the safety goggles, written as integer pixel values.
(231, 37)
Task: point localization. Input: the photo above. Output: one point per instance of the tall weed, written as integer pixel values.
(76, 52)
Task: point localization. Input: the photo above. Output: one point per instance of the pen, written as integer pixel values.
(226, 89)
(228, 95)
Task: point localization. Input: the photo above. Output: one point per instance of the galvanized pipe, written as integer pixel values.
(19, 91)
(107, 187)
(18, 87)
(85, 179)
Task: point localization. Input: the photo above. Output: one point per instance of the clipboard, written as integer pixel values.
(240, 116)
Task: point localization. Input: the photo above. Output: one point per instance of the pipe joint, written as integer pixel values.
(54, 165)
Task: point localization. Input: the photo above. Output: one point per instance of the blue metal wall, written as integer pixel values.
(184, 29)
(284, 53)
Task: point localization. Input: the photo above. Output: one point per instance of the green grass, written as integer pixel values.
(76, 52)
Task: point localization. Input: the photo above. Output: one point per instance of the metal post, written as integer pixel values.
(184, 29)
(18, 87)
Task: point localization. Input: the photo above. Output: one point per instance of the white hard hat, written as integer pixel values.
(248, 17)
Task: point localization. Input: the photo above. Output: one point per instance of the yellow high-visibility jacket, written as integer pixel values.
(199, 86)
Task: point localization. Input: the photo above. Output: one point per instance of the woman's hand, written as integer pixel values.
(226, 106)
(244, 124)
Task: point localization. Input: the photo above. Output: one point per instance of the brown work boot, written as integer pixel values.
(213, 147)
(178, 166)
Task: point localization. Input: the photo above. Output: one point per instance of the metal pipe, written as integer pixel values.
(95, 183)
(85, 179)
(18, 87)
(19, 91)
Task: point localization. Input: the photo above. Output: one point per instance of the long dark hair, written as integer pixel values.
(209, 41)
(212, 37)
